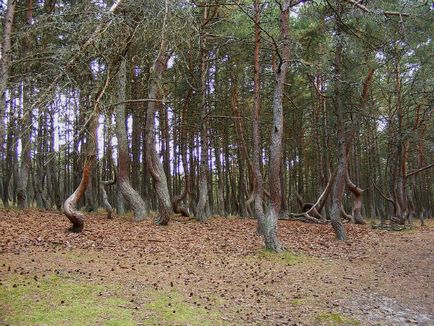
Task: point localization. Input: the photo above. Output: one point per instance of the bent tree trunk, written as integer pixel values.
(130, 195)
(177, 199)
(154, 164)
(357, 205)
(70, 205)
(108, 207)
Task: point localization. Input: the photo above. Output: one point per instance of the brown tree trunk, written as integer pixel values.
(343, 148)
(357, 205)
(155, 166)
(105, 200)
(9, 161)
(70, 205)
(183, 144)
(5, 61)
(243, 154)
(201, 212)
(26, 129)
(258, 188)
(131, 196)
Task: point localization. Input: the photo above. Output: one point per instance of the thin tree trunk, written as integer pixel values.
(339, 185)
(203, 183)
(258, 181)
(5, 62)
(105, 200)
(26, 129)
(8, 167)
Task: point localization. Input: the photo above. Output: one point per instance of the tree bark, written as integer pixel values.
(258, 181)
(268, 226)
(131, 196)
(5, 61)
(155, 166)
(26, 129)
(183, 145)
(70, 205)
(339, 185)
(201, 212)
(357, 205)
(105, 200)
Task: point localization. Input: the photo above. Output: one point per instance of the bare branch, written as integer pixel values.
(419, 170)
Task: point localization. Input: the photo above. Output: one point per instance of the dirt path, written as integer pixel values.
(216, 270)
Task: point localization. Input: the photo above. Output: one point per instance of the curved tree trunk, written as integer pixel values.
(357, 205)
(308, 207)
(105, 201)
(70, 205)
(131, 196)
(154, 164)
(177, 199)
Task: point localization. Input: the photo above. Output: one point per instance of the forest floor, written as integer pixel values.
(117, 272)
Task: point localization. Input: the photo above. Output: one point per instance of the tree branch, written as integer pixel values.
(385, 13)
(419, 170)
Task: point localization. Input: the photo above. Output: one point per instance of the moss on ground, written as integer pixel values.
(334, 318)
(170, 308)
(57, 300)
(296, 302)
(286, 257)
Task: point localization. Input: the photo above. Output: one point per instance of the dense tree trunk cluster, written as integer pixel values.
(165, 107)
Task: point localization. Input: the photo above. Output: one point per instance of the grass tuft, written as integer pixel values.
(334, 318)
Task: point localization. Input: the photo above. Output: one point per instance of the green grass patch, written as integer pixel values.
(286, 257)
(296, 302)
(170, 308)
(56, 300)
(334, 318)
